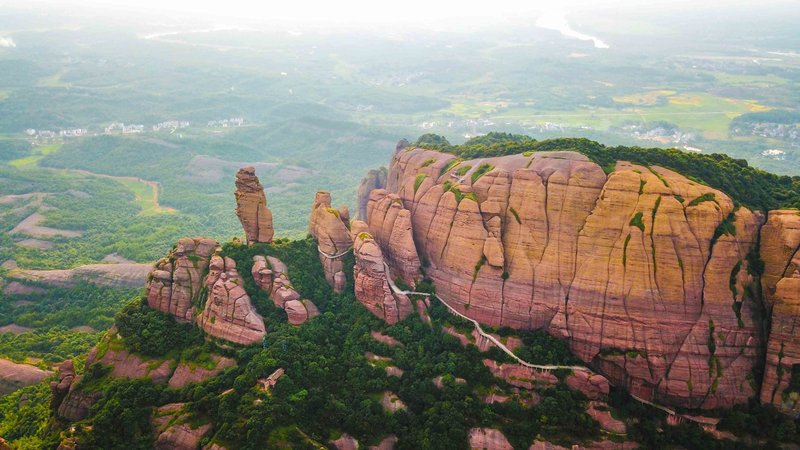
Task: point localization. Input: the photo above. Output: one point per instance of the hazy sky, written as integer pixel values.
(345, 12)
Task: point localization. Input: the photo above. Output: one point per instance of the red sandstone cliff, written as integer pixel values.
(643, 271)
(780, 251)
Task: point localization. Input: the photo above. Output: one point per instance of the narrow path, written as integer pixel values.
(507, 351)
(329, 256)
(153, 185)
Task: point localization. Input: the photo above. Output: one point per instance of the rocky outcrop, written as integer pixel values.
(299, 311)
(345, 442)
(14, 376)
(392, 224)
(643, 271)
(68, 400)
(174, 430)
(229, 314)
(186, 372)
(124, 364)
(780, 251)
(488, 439)
(384, 339)
(375, 179)
(372, 287)
(591, 385)
(392, 403)
(251, 207)
(123, 275)
(520, 376)
(175, 282)
(330, 228)
(271, 275)
(600, 412)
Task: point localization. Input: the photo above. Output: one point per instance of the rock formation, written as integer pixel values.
(385, 212)
(592, 385)
(643, 271)
(330, 227)
(372, 286)
(229, 314)
(375, 179)
(519, 375)
(14, 376)
(176, 280)
(271, 275)
(489, 439)
(124, 364)
(780, 251)
(174, 430)
(68, 400)
(251, 207)
(186, 373)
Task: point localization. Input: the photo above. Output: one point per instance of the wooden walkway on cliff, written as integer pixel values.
(673, 417)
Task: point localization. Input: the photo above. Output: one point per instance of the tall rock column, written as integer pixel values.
(375, 179)
(390, 224)
(372, 283)
(780, 251)
(251, 207)
(329, 227)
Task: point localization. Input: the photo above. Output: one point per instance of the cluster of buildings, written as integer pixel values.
(225, 123)
(783, 131)
(659, 133)
(171, 125)
(122, 128)
(49, 134)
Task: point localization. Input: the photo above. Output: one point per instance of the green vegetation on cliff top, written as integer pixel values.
(746, 185)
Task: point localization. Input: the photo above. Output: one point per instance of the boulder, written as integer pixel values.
(345, 442)
(387, 443)
(392, 403)
(251, 207)
(174, 429)
(384, 339)
(299, 311)
(591, 385)
(271, 274)
(488, 439)
(600, 412)
(372, 283)
(14, 376)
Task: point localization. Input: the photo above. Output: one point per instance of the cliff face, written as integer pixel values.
(643, 271)
(372, 287)
(780, 251)
(330, 228)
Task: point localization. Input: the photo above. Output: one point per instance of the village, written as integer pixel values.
(39, 136)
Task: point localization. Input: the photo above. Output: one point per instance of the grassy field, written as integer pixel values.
(36, 155)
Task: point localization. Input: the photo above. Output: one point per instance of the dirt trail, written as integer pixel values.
(153, 185)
